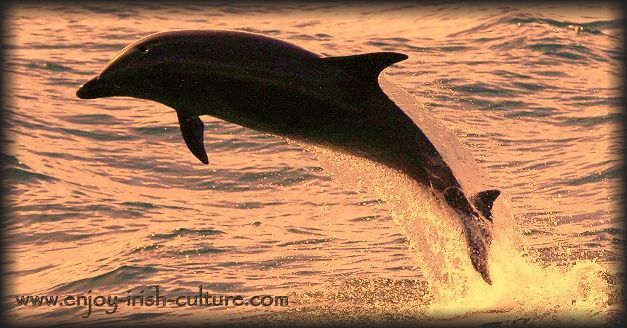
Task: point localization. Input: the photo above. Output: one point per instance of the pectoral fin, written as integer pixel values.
(192, 129)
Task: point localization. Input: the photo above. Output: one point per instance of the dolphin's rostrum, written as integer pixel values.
(276, 87)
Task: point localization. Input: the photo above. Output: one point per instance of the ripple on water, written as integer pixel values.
(186, 232)
(120, 276)
(22, 173)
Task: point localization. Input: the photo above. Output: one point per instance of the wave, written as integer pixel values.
(186, 232)
(118, 277)
(22, 173)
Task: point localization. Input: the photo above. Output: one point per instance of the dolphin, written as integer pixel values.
(275, 87)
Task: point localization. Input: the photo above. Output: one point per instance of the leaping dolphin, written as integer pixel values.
(276, 87)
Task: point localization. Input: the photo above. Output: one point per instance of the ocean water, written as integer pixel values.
(104, 197)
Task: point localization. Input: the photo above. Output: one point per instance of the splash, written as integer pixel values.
(524, 289)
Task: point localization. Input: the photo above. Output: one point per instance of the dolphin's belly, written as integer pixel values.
(312, 119)
(331, 112)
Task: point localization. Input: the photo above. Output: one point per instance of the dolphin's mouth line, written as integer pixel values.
(98, 88)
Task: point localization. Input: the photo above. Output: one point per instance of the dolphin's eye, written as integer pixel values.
(143, 48)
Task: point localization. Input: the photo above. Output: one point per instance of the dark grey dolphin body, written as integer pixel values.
(276, 87)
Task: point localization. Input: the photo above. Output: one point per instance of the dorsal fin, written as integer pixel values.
(366, 67)
(484, 201)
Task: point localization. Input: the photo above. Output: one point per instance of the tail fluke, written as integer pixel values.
(476, 228)
(484, 201)
(479, 239)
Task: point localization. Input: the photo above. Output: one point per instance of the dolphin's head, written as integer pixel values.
(152, 67)
(162, 65)
(134, 71)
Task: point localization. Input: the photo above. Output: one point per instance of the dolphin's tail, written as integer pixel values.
(484, 201)
(477, 227)
(478, 233)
